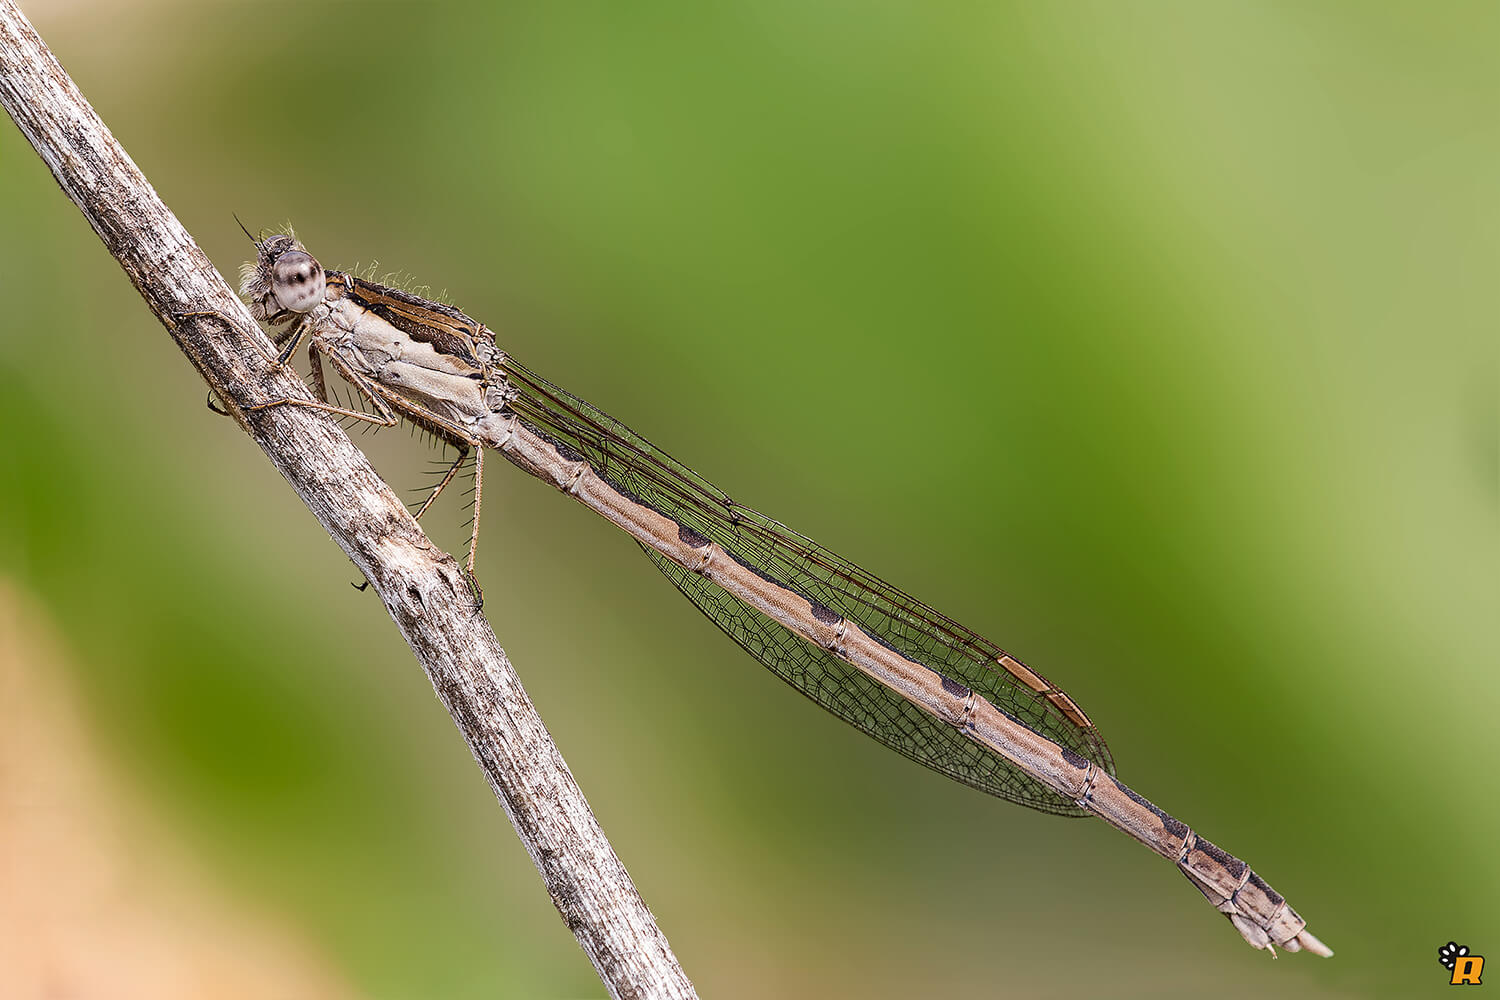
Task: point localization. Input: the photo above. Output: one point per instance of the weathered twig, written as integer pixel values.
(421, 586)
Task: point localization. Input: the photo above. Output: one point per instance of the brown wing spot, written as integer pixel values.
(1024, 674)
(1042, 686)
(1072, 711)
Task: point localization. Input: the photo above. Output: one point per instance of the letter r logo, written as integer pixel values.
(1466, 970)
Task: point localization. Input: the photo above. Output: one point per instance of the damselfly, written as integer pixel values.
(875, 657)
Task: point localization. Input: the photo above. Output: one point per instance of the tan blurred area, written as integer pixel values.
(96, 898)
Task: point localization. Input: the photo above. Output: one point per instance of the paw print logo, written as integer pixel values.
(1450, 953)
(1466, 968)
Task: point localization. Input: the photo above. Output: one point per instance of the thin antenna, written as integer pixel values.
(246, 231)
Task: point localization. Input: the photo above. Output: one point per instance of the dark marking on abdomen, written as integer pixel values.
(1173, 825)
(1231, 864)
(954, 688)
(691, 538)
(568, 452)
(825, 615)
(1276, 898)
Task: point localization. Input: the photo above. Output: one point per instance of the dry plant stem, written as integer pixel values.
(422, 587)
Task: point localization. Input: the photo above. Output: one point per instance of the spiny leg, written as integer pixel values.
(293, 339)
(474, 538)
(319, 388)
(463, 454)
(312, 359)
(464, 448)
(295, 335)
(441, 429)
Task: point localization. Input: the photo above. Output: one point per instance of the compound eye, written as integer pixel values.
(297, 281)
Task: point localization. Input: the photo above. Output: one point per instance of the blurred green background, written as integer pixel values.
(1155, 341)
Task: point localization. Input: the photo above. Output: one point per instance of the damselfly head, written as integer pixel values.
(284, 279)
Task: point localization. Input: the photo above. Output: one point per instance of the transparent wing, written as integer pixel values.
(636, 467)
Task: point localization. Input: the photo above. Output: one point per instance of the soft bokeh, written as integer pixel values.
(1154, 340)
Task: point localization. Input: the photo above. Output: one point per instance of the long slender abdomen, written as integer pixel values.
(1258, 912)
